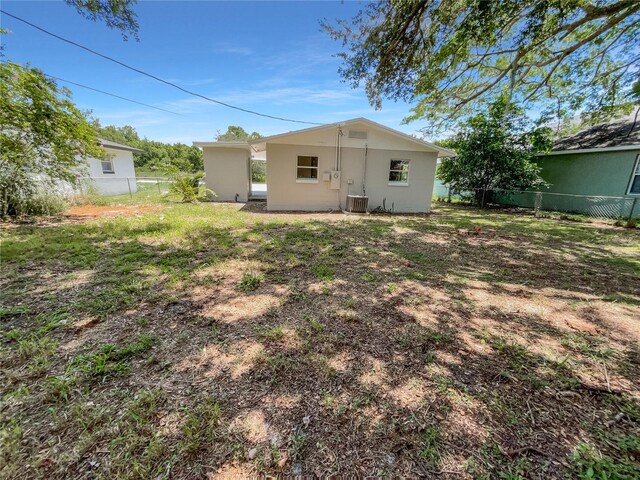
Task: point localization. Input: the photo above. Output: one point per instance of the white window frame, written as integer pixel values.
(316, 168)
(634, 173)
(109, 171)
(393, 183)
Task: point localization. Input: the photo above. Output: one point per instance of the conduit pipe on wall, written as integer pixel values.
(364, 170)
(337, 146)
(340, 165)
(340, 134)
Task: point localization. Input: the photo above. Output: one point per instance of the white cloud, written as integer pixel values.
(229, 49)
(265, 100)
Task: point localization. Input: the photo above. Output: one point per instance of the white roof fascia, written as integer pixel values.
(440, 150)
(591, 150)
(243, 145)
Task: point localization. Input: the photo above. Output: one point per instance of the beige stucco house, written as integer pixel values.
(338, 166)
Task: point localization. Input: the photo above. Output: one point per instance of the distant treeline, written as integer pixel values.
(157, 156)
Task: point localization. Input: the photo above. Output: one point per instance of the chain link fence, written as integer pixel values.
(134, 187)
(594, 206)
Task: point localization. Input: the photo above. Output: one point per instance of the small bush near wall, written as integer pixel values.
(29, 199)
(45, 204)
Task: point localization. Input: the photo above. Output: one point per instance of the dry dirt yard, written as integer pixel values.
(212, 341)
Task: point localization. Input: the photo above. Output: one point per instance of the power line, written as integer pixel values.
(111, 94)
(142, 72)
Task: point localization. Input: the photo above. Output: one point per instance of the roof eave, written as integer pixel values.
(441, 151)
(242, 145)
(591, 150)
(126, 149)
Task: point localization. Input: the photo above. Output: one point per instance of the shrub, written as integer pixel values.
(29, 198)
(188, 187)
(45, 204)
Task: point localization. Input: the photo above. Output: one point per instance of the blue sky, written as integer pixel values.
(264, 56)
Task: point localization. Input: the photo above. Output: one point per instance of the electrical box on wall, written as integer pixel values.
(335, 180)
(326, 176)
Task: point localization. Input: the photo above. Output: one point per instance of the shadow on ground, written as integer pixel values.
(190, 344)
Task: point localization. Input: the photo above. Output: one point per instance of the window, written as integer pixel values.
(399, 172)
(634, 185)
(307, 169)
(107, 166)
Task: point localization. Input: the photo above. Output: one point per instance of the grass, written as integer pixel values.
(588, 465)
(249, 282)
(110, 359)
(200, 426)
(429, 451)
(202, 340)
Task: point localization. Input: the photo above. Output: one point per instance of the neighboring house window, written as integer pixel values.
(307, 169)
(634, 185)
(107, 166)
(399, 172)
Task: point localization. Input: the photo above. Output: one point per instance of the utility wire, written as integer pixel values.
(111, 94)
(142, 72)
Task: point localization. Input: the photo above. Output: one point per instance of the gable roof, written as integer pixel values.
(441, 151)
(620, 134)
(118, 146)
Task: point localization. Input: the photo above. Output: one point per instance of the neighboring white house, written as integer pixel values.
(116, 173)
(330, 167)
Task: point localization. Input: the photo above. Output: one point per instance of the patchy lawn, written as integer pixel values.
(187, 341)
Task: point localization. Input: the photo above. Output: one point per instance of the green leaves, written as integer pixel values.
(187, 186)
(43, 137)
(157, 156)
(236, 133)
(495, 150)
(453, 56)
(116, 14)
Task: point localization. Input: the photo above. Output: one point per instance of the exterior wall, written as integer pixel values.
(591, 174)
(285, 193)
(113, 183)
(413, 198)
(605, 174)
(227, 172)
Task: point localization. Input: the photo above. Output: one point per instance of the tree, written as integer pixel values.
(455, 57)
(495, 150)
(157, 155)
(116, 14)
(236, 133)
(127, 135)
(635, 95)
(43, 137)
